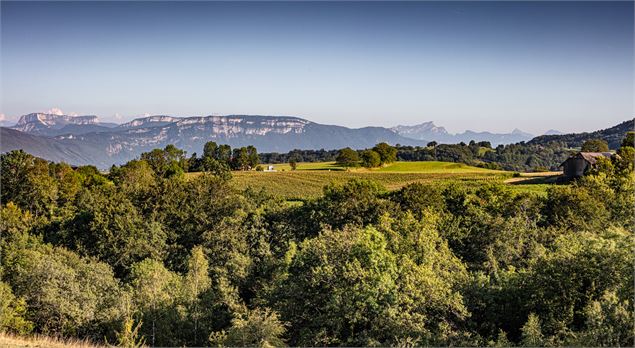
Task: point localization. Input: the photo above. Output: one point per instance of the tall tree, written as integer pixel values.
(156, 290)
(210, 150)
(347, 157)
(387, 153)
(224, 153)
(240, 159)
(532, 333)
(196, 281)
(252, 156)
(595, 145)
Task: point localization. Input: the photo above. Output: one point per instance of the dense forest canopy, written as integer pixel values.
(146, 253)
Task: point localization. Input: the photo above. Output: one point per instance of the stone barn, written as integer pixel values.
(578, 164)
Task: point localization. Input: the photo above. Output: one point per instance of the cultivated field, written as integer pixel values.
(397, 167)
(309, 178)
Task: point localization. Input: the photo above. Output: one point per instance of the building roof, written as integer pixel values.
(590, 157)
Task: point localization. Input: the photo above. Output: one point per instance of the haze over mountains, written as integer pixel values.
(429, 131)
(81, 140)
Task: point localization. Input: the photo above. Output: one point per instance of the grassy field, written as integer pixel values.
(309, 178)
(10, 341)
(399, 167)
(433, 167)
(302, 166)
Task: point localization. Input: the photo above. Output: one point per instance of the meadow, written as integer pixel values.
(309, 179)
(37, 341)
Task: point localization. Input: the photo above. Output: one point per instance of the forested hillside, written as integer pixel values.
(613, 136)
(148, 254)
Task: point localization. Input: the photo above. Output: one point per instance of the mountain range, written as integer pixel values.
(81, 140)
(430, 132)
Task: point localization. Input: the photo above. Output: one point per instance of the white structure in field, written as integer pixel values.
(270, 169)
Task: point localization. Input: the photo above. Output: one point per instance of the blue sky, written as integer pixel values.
(464, 65)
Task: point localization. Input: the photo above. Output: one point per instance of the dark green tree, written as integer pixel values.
(252, 157)
(387, 153)
(629, 140)
(167, 162)
(347, 157)
(224, 153)
(240, 159)
(25, 180)
(210, 150)
(370, 159)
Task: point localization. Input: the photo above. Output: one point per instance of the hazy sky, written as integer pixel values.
(464, 65)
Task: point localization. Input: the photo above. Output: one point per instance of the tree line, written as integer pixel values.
(217, 159)
(144, 255)
(513, 157)
(220, 159)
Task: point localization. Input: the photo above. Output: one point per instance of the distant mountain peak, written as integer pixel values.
(55, 119)
(39, 122)
(425, 126)
(422, 131)
(429, 131)
(517, 131)
(553, 132)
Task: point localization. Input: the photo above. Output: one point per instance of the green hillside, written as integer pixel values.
(434, 167)
(309, 178)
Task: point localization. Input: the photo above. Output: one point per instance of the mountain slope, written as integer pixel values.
(613, 136)
(48, 148)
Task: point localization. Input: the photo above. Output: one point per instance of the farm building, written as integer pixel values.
(581, 162)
